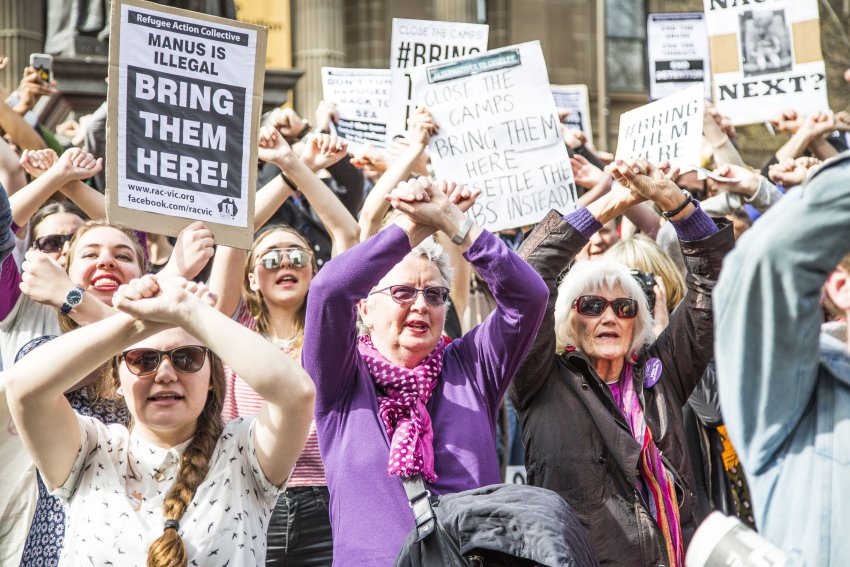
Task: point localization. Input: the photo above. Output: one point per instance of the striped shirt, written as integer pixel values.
(241, 400)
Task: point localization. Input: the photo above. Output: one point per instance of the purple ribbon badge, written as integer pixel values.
(652, 372)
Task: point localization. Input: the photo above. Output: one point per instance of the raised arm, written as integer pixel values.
(75, 164)
(284, 420)
(422, 127)
(36, 384)
(330, 332)
(684, 347)
(768, 312)
(334, 216)
(549, 249)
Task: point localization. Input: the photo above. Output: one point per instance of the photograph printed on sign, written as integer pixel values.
(765, 42)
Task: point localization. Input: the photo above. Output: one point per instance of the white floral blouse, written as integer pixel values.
(114, 495)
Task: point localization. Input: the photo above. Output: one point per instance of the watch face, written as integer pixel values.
(74, 297)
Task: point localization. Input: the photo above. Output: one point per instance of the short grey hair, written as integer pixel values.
(433, 252)
(590, 276)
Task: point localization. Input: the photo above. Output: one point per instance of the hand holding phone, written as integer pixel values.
(43, 64)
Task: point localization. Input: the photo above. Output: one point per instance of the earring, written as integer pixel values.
(120, 391)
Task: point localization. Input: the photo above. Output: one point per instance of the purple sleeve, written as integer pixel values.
(494, 350)
(329, 354)
(696, 226)
(583, 221)
(10, 290)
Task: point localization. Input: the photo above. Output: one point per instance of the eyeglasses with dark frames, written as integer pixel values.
(186, 359)
(403, 294)
(594, 306)
(51, 242)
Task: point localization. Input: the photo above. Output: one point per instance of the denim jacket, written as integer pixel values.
(785, 386)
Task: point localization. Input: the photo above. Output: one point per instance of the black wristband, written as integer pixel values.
(680, 208)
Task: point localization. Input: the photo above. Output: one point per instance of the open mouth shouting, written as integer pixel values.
(286, 280)
(105, 282)
(417, 327)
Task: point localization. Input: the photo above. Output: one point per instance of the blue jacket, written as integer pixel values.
(784, 388)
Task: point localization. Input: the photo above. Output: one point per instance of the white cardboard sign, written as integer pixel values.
(677, 52)
(499, 132)
(184, 100)
(575, 99)
(362, 98)
(669, 129)
(417, 42)
(766, 57)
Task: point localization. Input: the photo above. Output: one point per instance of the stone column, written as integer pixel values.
(21, 33)
(456, 10)
(318, 34)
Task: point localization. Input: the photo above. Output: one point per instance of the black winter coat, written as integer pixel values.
(500, 525)
(577, 442)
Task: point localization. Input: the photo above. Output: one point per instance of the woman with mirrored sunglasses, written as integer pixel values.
(177, 487)
(266, 291)
(401, 402)
(599, 396)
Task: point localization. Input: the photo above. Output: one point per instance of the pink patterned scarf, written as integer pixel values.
(403, 409)
(658, 480)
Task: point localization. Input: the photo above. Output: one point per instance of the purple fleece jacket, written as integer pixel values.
(369, 512)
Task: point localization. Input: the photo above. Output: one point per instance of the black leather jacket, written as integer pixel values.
(577, 443)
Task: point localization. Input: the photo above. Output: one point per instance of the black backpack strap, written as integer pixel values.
(419, 499)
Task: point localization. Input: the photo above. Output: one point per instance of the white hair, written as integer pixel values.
(587, 277)
(433, 251)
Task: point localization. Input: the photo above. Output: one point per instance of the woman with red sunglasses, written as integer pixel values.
(599, 397)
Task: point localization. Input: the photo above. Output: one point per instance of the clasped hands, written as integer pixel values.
(438, 205)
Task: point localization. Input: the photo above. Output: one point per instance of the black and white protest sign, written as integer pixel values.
(498, 131)
(362, 98)
(669, 129)
(677, 53)
(765, 58)
(417, 42)
(575, 99)
(184, 98)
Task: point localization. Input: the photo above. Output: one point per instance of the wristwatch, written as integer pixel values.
(688, 199)
(74, 298)
(460, 235)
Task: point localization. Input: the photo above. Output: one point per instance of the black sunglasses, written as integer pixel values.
(594, 306)
(273, 258)
(141, 361)
(403, 294)
(52, 242)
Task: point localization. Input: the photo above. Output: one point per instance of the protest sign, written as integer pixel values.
(765, 58)
(362, 98)
(669, 129)
(498, 131)
(417, 42)
(677, 52)
(575, 99)
(185, 91)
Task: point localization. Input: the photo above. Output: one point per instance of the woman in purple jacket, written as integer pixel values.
(400, 401)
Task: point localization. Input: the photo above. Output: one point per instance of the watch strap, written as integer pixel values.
(73, 298)
(680, 208)
(460, 235)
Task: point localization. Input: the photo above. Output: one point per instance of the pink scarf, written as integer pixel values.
(658, 480)
(403, 410)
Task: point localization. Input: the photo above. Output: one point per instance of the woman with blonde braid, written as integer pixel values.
(176, 488)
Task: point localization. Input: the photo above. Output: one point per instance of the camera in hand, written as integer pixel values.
(647, 283)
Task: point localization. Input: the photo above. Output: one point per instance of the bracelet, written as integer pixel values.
(289, 182)
(680, 208)
(460, 235)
